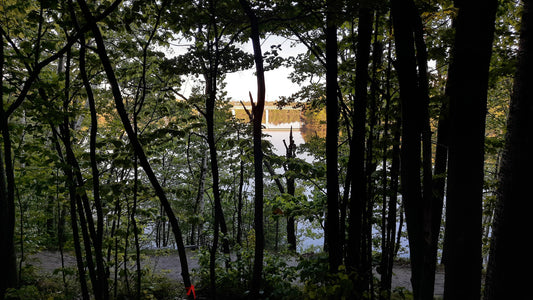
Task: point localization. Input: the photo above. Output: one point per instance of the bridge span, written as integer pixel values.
(274, 118)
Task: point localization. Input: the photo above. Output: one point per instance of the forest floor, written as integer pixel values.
(168, 264)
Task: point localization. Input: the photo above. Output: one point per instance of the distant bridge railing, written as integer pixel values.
(273, 117)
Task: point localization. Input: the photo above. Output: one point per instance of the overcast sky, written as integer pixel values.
(238, 84)
(276, 81)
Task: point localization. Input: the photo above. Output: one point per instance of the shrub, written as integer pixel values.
(233, 277)
(319, 283)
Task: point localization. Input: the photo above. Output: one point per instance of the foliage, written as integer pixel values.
(279, 279)
(319, 283)
(38, 286)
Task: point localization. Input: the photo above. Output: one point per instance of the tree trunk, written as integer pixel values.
(357, 260)
(240, 196)
(219, 222)
(423, 210)
(389, 206)
(88, 231)
(441, 160)
(332, 115)
(73, 216)
(257, 111)
(291, 187)
(210, 120)
(512, 217)
(468, 100)
(98, 240)
(402, 15)
(137, 147)
(8, 260)
(431, 210)
(199, 203)
(370, 160)
(91, 237)
(391, 240)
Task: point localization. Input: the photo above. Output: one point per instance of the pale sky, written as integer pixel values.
(276, 81)
(238, 84)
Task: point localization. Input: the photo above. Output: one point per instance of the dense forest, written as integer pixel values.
(119, 141)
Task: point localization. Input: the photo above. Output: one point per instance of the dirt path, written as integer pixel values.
(48, 261)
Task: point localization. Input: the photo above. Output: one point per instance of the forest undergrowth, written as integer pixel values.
(48, 274)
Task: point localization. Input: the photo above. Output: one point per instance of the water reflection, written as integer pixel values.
(309, 237)
(276, 137)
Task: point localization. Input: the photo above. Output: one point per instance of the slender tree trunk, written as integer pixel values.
(211, 72)
(72, 169)
(61, 212)
(387, 241)
(8, 260)
(198, 205)
(210, 105)
(86, 222)
(370, 160)
(357, 260)
(138, 273)
(511, 216)
(76, 238)
(87, 245)
(210, 120)
(257, 111)
(468, 100)
(137, 147)
(79, 201)
(139, 102)
(392, 239)
(403, 14)
(158, 227)
(432, 208)
(423, 211)
(343, 207)
(240, 199)
(441, 160)
(73, 218)
(98, 240)
(334, 248)
(116, 226)
(390, 207)
(211, 76)
(125, 256)
(291, 189)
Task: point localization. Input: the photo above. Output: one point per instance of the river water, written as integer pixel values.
(310, 236)
(315, 240)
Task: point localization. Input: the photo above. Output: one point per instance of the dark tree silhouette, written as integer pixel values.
(468, 102)
(332, 114)
(291, 189)
(411, 66)
(423, 209)
(8, 276)
(506, 278)
(357, 259)
(257, 111)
